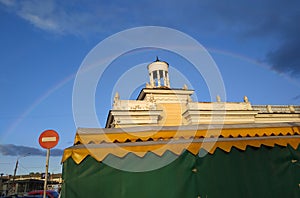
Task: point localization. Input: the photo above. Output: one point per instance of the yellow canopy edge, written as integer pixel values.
(120, 143)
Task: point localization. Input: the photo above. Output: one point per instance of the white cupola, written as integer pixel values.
(158, 74)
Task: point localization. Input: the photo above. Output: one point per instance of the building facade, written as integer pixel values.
(160, 105)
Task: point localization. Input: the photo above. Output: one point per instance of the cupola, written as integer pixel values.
(158, 74)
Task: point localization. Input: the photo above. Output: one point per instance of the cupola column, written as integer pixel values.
(151, 79)
(166, 79)
(158, 78)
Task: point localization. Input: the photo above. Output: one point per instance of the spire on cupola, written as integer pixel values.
(158, 74)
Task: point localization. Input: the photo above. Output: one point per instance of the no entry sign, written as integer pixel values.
(48, 139)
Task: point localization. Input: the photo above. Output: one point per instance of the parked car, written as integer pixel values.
(40, 193)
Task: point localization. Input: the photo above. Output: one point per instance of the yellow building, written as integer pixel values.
(159, 105)
(164, 144)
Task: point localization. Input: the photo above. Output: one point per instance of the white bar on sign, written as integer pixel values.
(48, 139)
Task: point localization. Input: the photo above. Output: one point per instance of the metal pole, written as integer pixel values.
(13, 191)
(46, 172)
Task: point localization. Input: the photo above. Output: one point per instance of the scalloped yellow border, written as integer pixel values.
(78, 154)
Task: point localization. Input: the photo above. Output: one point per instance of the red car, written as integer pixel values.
(40, 193)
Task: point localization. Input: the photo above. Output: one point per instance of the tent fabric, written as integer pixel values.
(208, 161)
(265, 171)
(99, 152)
(99, 143)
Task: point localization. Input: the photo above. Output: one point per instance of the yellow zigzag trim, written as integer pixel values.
(99, 152)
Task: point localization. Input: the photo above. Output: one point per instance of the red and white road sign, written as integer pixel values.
(48, 139)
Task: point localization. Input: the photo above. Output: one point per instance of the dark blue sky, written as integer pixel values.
(255, 44)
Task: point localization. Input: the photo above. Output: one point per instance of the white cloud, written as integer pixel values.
(8, 2)
(82, 17)
(50, 15)
(46, 24)
(42, 14)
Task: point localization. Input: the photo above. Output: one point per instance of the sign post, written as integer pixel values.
(48, 139)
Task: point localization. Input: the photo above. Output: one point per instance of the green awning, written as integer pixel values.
(255, 172)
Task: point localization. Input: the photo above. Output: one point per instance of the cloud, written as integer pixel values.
(16, 150)
(46, 15)
(273, 21)
(75, 18)
(8, 2)
(50, 15)
(286, 58)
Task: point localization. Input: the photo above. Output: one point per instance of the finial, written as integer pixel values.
(116, 98)
(246, 99)
(292, 109)
(218, 98)
(185, 87)
(116, 101)
(157, 59)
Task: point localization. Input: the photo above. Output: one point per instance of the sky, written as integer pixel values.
(255, 45)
